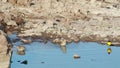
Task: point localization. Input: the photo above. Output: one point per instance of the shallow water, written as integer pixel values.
(40, 55)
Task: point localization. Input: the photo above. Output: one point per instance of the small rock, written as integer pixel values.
(20, 50)
(24, 62)
(12, 23)
(56, 40)
(18, 61)
(11, 61)
(76, 56)
(58, 20)
(63, 43)
(42, 62)
(25, 41)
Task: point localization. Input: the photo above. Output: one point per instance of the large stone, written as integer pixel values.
(11, 23)
(5, 51)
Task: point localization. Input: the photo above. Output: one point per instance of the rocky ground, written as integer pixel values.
(57, 20)
(60, 21)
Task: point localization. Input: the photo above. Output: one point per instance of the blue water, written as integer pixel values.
(40, 55)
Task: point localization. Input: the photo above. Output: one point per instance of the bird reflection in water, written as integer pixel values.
(109, 50)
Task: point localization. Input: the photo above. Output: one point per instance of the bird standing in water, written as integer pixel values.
(109, 43)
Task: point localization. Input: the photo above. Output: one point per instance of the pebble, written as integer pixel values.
(76, 56)
(24, 62)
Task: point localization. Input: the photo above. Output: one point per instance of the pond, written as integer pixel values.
(49, 55)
